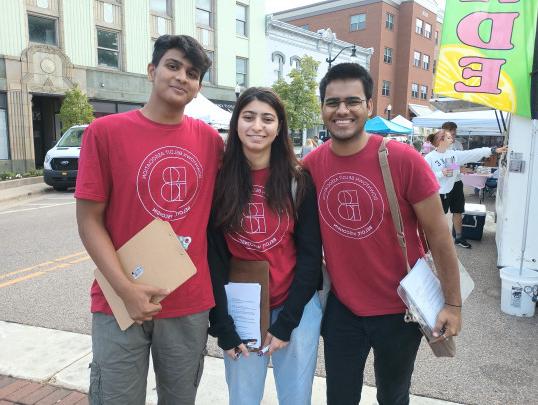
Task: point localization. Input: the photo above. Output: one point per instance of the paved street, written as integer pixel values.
(45, 276)
(45, 272)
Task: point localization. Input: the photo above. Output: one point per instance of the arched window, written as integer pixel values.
(295, 62)
(278, 59)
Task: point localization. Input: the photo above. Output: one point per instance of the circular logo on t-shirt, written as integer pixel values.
(168, 182)
(261, 228)
(351, 205)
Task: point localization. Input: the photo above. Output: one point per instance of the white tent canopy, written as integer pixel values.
(404, 122)
(205, 110)
(468, 122)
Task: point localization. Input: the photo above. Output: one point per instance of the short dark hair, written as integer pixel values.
(450, 126)
(344, 71)
(192, 49)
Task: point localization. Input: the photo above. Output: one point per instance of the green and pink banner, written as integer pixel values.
(489, 54)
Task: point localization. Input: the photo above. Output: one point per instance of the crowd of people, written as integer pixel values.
(252, 200)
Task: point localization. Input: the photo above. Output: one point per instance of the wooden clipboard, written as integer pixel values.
(154, 256)
(248, 271)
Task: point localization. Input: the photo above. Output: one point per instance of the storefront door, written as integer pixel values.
(46, 125)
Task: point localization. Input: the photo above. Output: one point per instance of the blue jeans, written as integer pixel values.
(293, 366)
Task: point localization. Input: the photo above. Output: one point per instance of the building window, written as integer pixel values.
(208, 77)
(426, 62)
(414, 90)
(204, 13)
(305, 27)
(102, 108)
(416, 59)
(387, 56)
(434, 67)
(424, 92)
(418, 26)
(357, 22)
(241, 77)
(4, 140)
(385, 90)
(241, 19)
(436, 37)
(108, 48)
(389, 21)
(161, 7)
(427, 30)
(278, 61)
(42, 30)
(295, 62)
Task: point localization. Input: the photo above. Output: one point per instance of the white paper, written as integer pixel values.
(424, 289)
(244, 308)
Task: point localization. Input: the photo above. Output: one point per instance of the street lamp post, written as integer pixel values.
(389, 109)
(329, 37)
(354, 58)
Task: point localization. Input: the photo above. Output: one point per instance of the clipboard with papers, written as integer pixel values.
(154, 256)
(421, 292)
(253, 272)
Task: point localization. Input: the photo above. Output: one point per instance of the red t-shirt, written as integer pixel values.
(145, 170)
(361, 249)
(266, 235)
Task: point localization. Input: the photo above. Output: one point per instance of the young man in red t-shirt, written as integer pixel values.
(150, 163)
(363, 257)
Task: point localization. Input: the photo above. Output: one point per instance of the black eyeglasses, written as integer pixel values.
(350, 102)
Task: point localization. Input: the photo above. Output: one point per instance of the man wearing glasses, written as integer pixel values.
(363, 257)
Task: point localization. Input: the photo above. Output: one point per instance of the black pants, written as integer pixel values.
(347, 342)
(455, 200)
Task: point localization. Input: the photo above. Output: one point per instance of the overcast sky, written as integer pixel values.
(272, 6)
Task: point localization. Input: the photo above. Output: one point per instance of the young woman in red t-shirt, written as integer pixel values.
(265, 209)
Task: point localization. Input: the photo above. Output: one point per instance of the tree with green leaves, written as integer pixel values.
(76, 109)
(299, 95)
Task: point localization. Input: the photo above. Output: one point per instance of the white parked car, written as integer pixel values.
(61, 162)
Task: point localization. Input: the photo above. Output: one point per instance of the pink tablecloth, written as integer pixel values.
(475, 180)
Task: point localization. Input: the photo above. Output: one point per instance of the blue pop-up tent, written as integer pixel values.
(380, 125)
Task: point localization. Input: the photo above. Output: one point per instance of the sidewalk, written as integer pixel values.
(12, 190)
(35, 361)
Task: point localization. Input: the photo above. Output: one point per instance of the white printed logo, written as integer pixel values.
(254, 222)
(175, 184)
(258, 233)
(168, 182)
(351, 205)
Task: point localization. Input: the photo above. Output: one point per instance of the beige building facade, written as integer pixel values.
(103, 46)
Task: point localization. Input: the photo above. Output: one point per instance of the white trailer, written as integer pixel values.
(517, 198)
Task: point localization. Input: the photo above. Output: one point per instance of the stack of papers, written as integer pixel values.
(244, 308)
(422, 293)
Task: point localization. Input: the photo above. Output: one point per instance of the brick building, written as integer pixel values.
(404, 34)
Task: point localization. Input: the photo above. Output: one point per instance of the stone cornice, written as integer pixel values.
(288, 32)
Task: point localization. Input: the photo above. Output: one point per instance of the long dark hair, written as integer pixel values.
(234, 183)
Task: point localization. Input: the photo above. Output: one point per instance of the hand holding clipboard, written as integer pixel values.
(154, 257)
